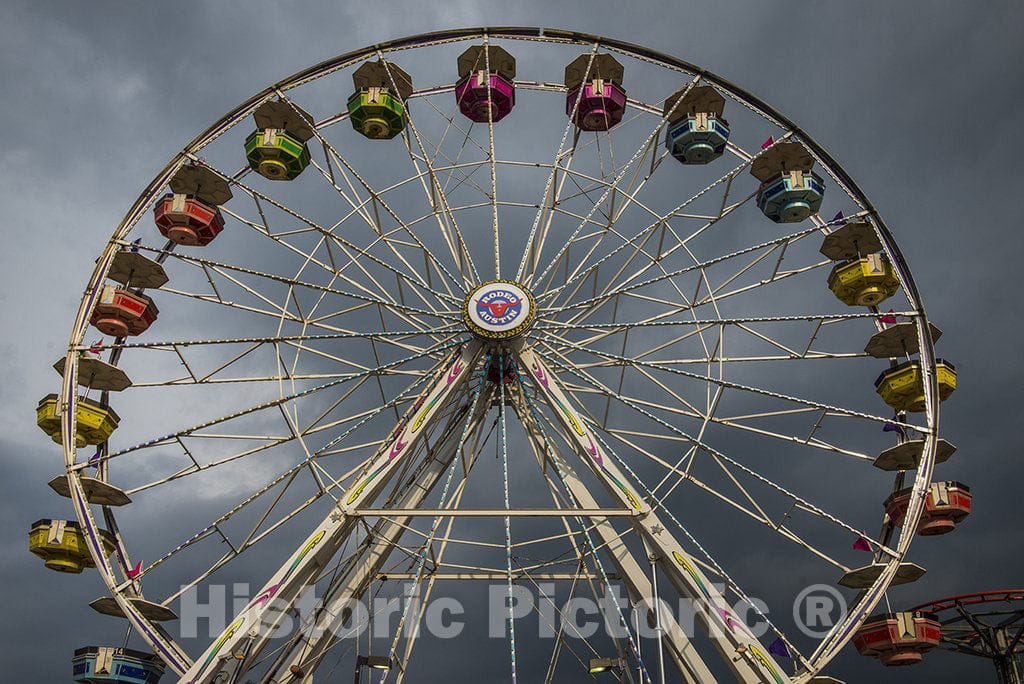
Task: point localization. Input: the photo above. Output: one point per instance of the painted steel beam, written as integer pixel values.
(684, 656)
(240, 643)
(749, 660)
(497, 512)
(309, 648)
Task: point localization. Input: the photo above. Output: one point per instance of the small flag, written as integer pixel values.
(778, 647)
(893, 427)
(94, 460)
(134, 572)
(135, 245)
(768, 143)
(888, 318)
(862, 543)
(838, 219)
(95, 348)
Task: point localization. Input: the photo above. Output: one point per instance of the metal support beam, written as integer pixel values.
(496, 512)
(500, 576)
(253, 627)
(685, 657)
(748, 658)
(309, 648)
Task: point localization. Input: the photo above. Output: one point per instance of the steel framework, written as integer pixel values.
(648, 317)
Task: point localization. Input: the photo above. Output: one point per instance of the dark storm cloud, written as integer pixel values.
(921, 102)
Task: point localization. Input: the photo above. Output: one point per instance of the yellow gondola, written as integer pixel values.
(95, 422)
(902, 386)
(62, 546)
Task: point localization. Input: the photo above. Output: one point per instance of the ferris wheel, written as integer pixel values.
(502, 305)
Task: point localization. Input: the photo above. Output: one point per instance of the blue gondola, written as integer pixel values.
(106, 665)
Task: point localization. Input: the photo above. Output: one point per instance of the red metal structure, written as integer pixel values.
(988, 624)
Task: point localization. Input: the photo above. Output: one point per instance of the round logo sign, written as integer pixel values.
(498, 310)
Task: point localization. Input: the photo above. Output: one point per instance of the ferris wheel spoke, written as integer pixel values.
(387, 239)
(724, 182)
(707, 415)
(556, 334)
(748, 506)
(594, 270)
(634, 161)
(455, 167)
(437, 189)
(176, 436)
(549, 200)
(332, 270)
(256, 534)
(269, 442)
(451, 123)
(701, 266)
(715, 356)
(710, 564)
(685, 301)
(338, 273)
(719, 457)
(225, 271)
(592, 182)
(335, 529)
(210, 268)
(599, 223)
(217, 375)
(669, 370)
(597, 302)
(411, 276)
(494, 177)
(456, 163)
(550, 208)
(631, 192)
(379, 288)
(348, 170)
(718, 293)
(660, 321)
(437, 196)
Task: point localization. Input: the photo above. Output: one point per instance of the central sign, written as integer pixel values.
(499, 310)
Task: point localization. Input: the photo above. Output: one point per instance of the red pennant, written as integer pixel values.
(888, 318)
(95, 348)
(134, 572)
(768, 143)
(862, 543)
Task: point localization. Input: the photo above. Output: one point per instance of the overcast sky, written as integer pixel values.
(920, 101)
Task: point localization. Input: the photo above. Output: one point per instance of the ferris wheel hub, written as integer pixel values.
(499, 310)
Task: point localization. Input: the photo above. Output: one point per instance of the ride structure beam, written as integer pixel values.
(310, 647)
(747, 657)
(684, 656)
(235, 650)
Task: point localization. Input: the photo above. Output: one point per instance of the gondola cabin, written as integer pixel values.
(898, 638)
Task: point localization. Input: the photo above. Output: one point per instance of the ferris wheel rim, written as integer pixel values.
(70, 394)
